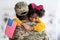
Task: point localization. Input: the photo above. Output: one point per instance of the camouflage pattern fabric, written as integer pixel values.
(21, 8)
(21, 34)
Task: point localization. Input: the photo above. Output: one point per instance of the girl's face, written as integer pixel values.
(33, 17)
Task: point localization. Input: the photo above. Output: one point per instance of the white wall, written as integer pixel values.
(52, 8)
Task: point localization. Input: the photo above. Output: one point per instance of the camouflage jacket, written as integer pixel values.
(21, 34)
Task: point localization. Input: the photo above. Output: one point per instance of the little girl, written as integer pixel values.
(36, 28)
(35, 31)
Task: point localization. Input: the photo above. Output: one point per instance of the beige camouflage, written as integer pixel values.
(21, 8)
(21, 34)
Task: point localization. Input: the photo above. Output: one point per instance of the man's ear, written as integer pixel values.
(15, 9)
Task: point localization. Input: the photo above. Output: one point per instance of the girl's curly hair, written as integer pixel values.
(32, 10)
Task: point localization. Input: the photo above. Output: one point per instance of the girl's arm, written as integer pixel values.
(40, 26)
(19, 22)
(27, 27)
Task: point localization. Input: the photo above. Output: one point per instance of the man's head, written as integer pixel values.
(21, 8)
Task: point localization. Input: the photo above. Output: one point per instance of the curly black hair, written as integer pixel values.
(32, 11)
(40, 13)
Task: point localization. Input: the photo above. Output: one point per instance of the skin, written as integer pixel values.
(32, 19)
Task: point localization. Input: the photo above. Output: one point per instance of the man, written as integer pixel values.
(21, 9)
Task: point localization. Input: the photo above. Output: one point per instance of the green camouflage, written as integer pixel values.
(21, 34)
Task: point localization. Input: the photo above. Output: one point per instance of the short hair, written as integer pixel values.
(21, 17)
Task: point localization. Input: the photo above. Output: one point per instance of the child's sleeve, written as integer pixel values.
(40, 26)
(19, 22)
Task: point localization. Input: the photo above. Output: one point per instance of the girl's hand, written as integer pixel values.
(27, 27)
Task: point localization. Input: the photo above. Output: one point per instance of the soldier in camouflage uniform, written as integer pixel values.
(21, 33)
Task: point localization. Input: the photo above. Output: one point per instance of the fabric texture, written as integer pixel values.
(21, 8)
(21, 34)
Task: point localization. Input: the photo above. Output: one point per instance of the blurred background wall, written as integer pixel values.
(51, 18)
